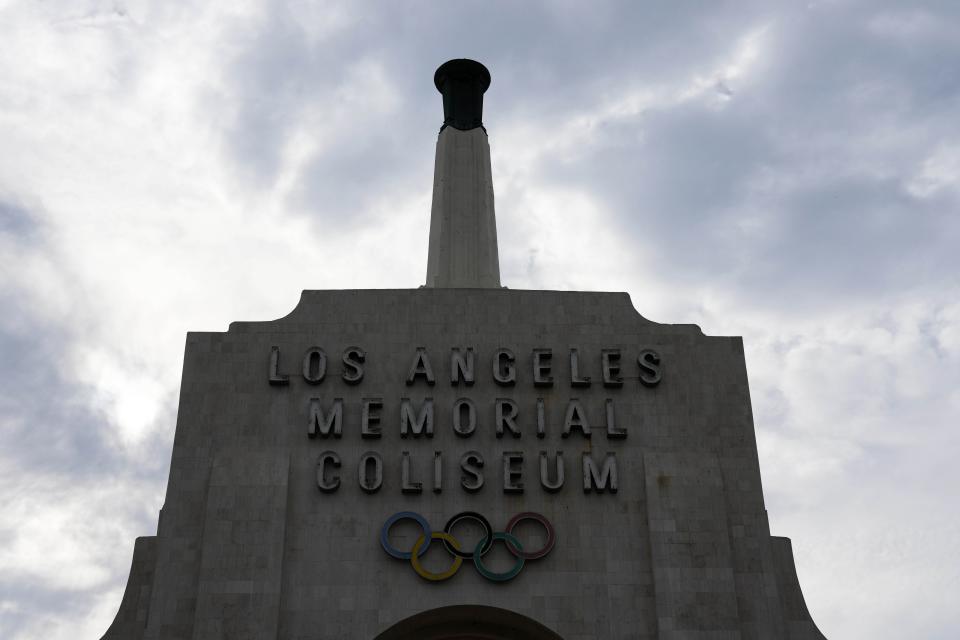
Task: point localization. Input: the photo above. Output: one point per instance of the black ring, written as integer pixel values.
(485, 543)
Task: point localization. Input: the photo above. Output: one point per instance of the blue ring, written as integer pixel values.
(405, 515)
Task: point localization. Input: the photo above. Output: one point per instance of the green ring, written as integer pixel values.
(493, 575)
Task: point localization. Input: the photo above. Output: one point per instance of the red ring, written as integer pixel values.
(547, 546)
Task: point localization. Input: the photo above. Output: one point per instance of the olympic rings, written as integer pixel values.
(487, 533)
(443, 575)
(551, 535)
(511, 543)
(405, 515)
(452, 545)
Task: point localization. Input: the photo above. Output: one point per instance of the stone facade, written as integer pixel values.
(248, 546)
(463, 239)
(613, 458)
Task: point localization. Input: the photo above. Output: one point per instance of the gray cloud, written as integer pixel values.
(15, 220)
(57, 449)
(783, 171)
(819, 152)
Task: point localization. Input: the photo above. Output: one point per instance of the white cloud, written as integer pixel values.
(68, 534)
(781, 173)
(941, 170)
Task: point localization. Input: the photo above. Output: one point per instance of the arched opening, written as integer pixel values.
(468, 622)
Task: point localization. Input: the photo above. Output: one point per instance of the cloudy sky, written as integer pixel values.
(788, 172)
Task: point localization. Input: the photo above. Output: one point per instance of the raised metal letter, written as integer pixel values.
(512, 475)
(461, 366)
(416, 423)
(650, 370)
(613, 432)
(557, 484)
(273, 373)
(471, 464)
(576, 417)
(610, 364)
(368, 484)
(542, 362)
(370, 418)
(541, 419)
(504, 370)
(458, 427)
(421, 367)
(406, 486)
(506, 414)
(331, 485)
(324, 424)
(353, 359)
(597, 481)
(576, 380)
(314, 365)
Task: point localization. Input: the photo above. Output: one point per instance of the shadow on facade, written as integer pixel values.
(468, 622)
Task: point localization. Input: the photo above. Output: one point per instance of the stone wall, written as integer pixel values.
(673, 543)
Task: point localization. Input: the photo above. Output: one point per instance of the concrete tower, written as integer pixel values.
(607, 463)
(463, 226)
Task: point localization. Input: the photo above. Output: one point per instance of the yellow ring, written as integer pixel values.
(429, 575)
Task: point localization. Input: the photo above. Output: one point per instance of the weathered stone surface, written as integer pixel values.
(300, 440)
(249, 546)
(132, 617)
(463, 226)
